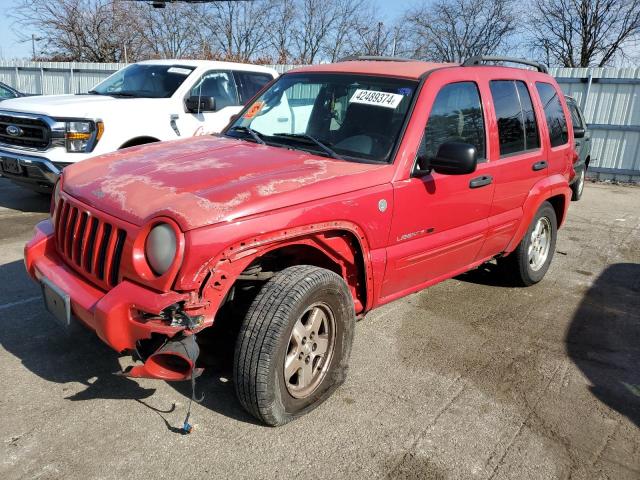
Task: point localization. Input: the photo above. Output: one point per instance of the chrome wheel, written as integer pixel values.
(539, 244)
(581, 182)
(310, 350)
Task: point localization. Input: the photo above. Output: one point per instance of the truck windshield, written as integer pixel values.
(148, 81)
(347, 116)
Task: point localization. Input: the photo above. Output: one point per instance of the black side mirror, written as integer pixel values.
(578, 132)
(197, 104)
(453, 158)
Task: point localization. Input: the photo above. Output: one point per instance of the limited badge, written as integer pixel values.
(382, 205)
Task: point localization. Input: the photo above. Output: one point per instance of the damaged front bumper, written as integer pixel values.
(122, 317)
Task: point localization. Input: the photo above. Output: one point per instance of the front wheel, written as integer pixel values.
(529, 262)
(294, 344)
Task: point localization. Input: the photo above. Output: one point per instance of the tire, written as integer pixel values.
(578, 186)
(526, 267)
(293, 299)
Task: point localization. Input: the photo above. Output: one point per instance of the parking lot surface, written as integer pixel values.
(471, 378)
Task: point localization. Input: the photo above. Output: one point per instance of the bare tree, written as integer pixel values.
(453, 30)
(283, 15)
(317, 19)
(80, 30)
(236, 30)
(168, 32)
(581, 33)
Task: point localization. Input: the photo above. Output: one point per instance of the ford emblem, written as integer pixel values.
(14, 131)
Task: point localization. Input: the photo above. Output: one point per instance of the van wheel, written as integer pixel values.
(294, 344)
(578, 186)
(529, 262)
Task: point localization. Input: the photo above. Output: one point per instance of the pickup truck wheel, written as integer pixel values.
(531, 259)
(294, 344)
(578, 186)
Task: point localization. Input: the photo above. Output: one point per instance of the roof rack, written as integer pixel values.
(483, 59)
(374, 58)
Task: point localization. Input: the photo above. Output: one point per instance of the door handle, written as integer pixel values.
(480, 181)
(539, 165)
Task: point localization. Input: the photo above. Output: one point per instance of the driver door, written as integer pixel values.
(440, 221)
(221, 86)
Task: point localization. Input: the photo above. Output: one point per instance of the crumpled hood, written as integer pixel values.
(204, 180)
(80, 106)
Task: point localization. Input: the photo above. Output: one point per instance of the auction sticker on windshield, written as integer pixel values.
(378, 99)
(179, 70)
(253, 110)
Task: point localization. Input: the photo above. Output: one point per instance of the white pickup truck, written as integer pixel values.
(144, 102)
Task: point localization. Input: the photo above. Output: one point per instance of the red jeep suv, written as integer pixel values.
(339, 188)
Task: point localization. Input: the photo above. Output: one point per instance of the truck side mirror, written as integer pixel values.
(453, 158)
(196, 104)
(578, 132)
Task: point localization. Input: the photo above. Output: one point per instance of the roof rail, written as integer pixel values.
(479, 60)
(374, 58)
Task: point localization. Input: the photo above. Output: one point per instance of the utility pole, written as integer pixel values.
(378, 38)
(33, 47)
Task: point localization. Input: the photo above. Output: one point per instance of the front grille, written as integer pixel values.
(89, 243)
(31, 132)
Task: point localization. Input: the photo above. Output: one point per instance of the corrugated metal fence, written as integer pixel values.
(609, 97)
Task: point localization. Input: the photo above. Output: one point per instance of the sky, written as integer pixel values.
(11, 47)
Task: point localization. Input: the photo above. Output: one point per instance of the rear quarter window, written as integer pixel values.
(554, 114)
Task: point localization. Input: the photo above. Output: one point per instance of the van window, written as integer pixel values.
(219, 85)
(250, 83)
(456, 116)
(517, 127)
(556, 121)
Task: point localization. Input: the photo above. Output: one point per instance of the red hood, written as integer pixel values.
(205, 180)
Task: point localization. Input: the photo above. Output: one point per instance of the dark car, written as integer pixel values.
(7, 92)
(583, 147)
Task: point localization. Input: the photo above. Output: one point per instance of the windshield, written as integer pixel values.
(339, 115)
(149, 81)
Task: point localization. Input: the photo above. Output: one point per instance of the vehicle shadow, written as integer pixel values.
(603, 339)
(30, 334)
(18, 198)
(490, 274)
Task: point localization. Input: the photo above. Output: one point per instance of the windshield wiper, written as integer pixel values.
(250, 131)
(323, 146)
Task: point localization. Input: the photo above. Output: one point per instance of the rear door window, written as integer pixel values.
(553, 112)
(456, 116)
(517, 127)
(250, 83)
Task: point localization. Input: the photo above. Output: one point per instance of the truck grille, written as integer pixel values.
(89, 244)
(24, 132)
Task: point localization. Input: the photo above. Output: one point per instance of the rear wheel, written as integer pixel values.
(294, 344)
(530, 261)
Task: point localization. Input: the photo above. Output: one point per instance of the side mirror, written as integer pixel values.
(578, 132)
(453, 158)
(197, 104)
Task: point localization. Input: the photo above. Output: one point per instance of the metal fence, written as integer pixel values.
(609, 97)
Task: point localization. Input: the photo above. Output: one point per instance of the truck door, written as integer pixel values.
(221, 86)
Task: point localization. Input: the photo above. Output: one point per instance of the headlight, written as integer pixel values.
(160, 248)
(82, 136)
